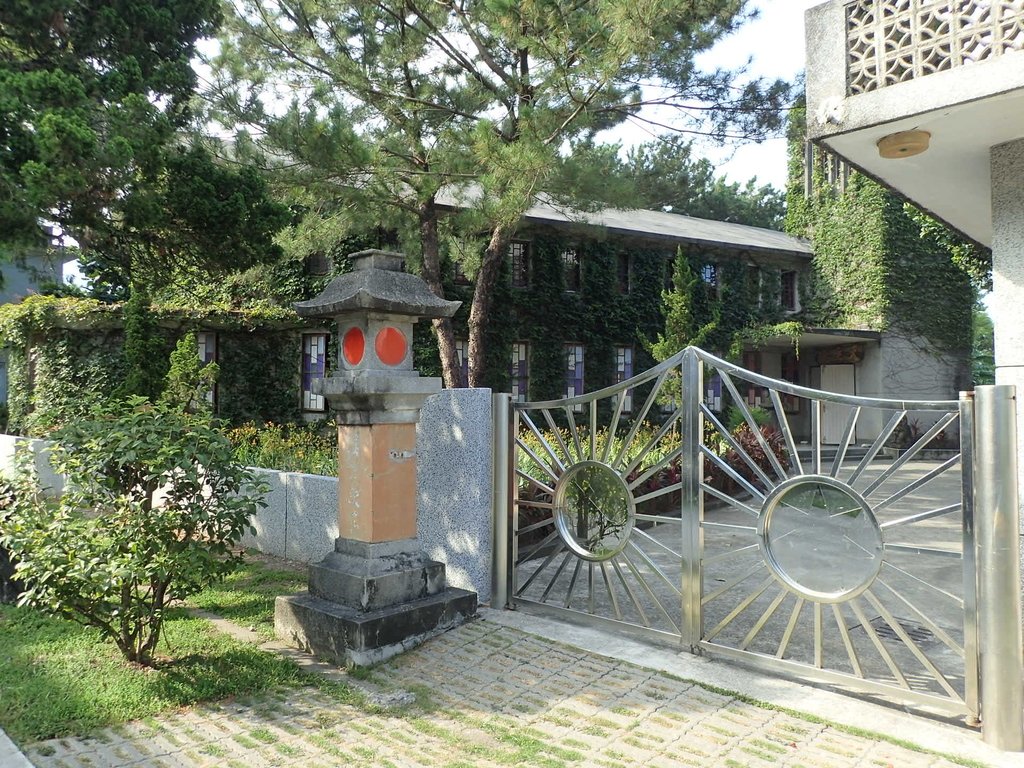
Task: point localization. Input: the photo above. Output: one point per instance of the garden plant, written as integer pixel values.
(153, 507)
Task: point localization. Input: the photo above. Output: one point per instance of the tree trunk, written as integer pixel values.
(483, 298)
(451, 371)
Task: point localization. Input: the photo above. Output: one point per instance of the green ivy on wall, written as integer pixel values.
(66, 354)
(547, 317)
(875, 267)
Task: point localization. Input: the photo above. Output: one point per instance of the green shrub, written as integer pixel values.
(154, 503)
(310, 448)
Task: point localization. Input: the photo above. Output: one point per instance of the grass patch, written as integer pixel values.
(246, 597)
(61, 679)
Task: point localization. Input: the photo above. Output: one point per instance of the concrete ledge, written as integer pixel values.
(347, 636)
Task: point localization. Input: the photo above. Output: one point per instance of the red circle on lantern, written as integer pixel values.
(391, 346)
(353, 345)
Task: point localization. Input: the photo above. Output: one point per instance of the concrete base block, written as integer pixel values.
(333, 579)
(345, 635)
(373, 576)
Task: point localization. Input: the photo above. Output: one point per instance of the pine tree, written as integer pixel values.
(398, 101)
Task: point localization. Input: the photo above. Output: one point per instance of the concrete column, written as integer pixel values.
(1006, 305)
(377, 482)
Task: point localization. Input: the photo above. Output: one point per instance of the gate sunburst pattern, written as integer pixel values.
(841, 561)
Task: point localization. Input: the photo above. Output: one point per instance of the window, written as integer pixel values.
(462, 350)
(520, 371)
(754, 282)
(314, 366)
(754, 394)
(624, 372)
(519, 255)
(208, 354)
(571, 269)
(318, 264)
(713, 393)
(574, 371)
(709, 277)
(625, 273)
(790, 373)
(790, 300)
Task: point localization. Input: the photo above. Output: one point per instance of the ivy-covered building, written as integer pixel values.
(869, 305)
(873, 309)
(882, 269)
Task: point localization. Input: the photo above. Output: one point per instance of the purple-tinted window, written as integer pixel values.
(713, 393)
(520, 371)
(574, 371)
(314, 366)
(624, 372)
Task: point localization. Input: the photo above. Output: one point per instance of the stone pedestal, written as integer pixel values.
(370, 601)
(377, 594)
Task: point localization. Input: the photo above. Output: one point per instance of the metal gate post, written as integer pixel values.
(691, 474)
(997, 523)
(969, 543)
(500, 407)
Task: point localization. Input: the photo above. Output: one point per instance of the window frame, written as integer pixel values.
(793, 291)
(624, 286)
(577, 381)
(520, 278)
(572, 264)
(205, 341)
(309, 402)
(520, 372)
(625, 360)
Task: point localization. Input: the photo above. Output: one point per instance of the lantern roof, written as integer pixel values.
(379, 283)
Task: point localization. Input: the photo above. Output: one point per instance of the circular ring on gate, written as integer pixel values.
(820, 538)
(594, 510)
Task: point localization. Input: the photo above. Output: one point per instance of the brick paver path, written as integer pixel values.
(486, 695)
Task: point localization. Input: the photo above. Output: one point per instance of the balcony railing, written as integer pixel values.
(891, 41)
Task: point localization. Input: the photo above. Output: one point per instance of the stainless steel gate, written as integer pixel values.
(853, 564)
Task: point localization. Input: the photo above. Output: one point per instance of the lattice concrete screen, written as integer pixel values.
(892, 41)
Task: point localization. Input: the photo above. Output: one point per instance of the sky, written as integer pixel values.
(774, 45)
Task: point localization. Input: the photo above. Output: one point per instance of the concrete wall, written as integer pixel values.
(12, 445)
(454, 464)
(300, 521)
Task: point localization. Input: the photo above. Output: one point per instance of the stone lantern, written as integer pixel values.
(377, 593)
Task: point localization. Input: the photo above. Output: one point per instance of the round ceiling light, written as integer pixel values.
(903, 144)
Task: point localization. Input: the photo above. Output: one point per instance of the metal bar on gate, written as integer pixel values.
(816, 436)
(500, 406)
(692, 512)
(997, 522)
(972, 694)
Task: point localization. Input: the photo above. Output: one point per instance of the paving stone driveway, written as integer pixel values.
(486, 695)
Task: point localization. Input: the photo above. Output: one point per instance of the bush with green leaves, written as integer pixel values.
(154, 505)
